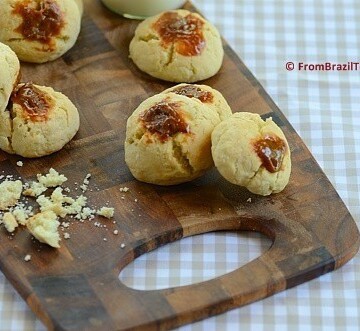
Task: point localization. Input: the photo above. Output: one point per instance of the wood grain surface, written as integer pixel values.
(77, 286)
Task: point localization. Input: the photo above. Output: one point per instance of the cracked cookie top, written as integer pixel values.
(168, 139)
(208, 96)
(252, 153)
(39, 30)
(194, 91)
(177, 46)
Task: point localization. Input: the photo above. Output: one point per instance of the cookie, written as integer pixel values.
(42, 121)
(206, 95)
(177, 46)
(10, 74)
(9, 77)
(39, 30)
(168, 139)
(252, 153)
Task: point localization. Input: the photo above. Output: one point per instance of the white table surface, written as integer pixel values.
(324, 107)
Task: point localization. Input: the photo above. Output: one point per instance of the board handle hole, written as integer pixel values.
(185, 262)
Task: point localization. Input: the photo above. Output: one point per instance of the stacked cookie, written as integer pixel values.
(34, 120)
(168, 137)
(40, 30)
(177, 135)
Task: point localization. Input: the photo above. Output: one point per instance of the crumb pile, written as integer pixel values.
(44, 225)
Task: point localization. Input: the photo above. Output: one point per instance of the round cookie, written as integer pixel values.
(206, 95)
(39, 30)
(10, 75)
(253, 153)
(42, 121)
(177, 46)
(168, 139)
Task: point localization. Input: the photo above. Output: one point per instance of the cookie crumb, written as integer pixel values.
(10, 222)
(66, 235)
(106, 212)
(116, 231)
(27, 258)
(51, 179)
(44, 227)
(249, 200)
(10, 192)
(19, 163)
(122, 245)
(124, 189)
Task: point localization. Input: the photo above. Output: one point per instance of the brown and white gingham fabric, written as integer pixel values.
(324, 107)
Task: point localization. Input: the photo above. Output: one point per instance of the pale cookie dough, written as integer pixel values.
(40, 30)
(253, 153)
(42, 121)
(177, 46)
(10, 192)
(168, 139)
(44, 227)
(80, 4)
(9, 76)
(206, 95)
(10, 222)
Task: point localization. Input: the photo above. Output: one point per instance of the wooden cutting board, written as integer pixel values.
(77, 286)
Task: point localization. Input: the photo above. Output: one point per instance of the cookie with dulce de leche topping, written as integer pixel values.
(253, 153)
(177, 46)
(168, 139)
(40, 30)
(42, 121)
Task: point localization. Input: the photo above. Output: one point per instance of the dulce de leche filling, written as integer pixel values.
(34, 103)
(271, 151)
(185, 33)
(192, 91)
(164, 119)
(41, 20)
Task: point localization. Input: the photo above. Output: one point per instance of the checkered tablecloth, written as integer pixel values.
(324, 107)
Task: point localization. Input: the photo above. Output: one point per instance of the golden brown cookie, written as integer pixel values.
(168, 139)
(9, 76)
(177, 46)
(39, 30)
(253, 153)
(42, 121)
